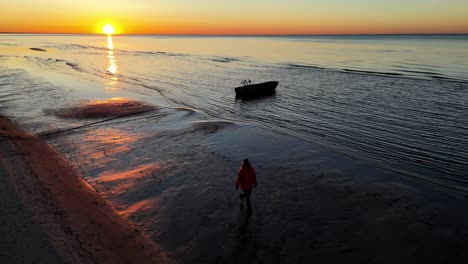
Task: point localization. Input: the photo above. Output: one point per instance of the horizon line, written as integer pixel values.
(234, 35)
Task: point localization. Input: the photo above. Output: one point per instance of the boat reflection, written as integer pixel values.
(112, 68)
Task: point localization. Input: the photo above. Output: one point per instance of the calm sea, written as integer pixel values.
(397, 102)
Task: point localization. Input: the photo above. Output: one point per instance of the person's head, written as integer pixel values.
(246, 163)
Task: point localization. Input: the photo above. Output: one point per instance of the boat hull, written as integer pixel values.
(256, 90)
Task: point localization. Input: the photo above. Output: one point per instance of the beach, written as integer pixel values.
(135, 149)
(78, 223)
(339, 222)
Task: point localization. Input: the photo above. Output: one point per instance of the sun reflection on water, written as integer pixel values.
(112, 68)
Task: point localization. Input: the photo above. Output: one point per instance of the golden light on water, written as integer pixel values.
(112, 68)
(110, 43)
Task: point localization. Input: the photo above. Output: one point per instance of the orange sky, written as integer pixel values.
(236, 17)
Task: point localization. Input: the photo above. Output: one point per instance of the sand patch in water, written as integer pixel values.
(112, 107)
(38, 49)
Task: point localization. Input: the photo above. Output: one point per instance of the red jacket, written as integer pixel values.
(246, 178)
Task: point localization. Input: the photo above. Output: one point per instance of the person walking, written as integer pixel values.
(247, 180)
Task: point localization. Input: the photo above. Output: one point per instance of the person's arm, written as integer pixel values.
(237, 179)
(254, 177)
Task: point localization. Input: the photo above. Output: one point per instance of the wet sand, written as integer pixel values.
(164, 191)
(79, 226)
(177, 186)
(114, 107)
(22, 239)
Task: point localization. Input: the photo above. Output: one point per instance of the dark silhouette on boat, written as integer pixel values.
(249, 90)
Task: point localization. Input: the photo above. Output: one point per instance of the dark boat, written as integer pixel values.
(256, 90)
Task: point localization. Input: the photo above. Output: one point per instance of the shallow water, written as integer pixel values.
(411, 121)
(359, 125)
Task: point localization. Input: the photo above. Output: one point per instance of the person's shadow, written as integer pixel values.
(244, 219)
(242, 250)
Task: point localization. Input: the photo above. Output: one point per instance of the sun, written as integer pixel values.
(108, 29)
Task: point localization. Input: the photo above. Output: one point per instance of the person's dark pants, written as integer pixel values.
(246, 196)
